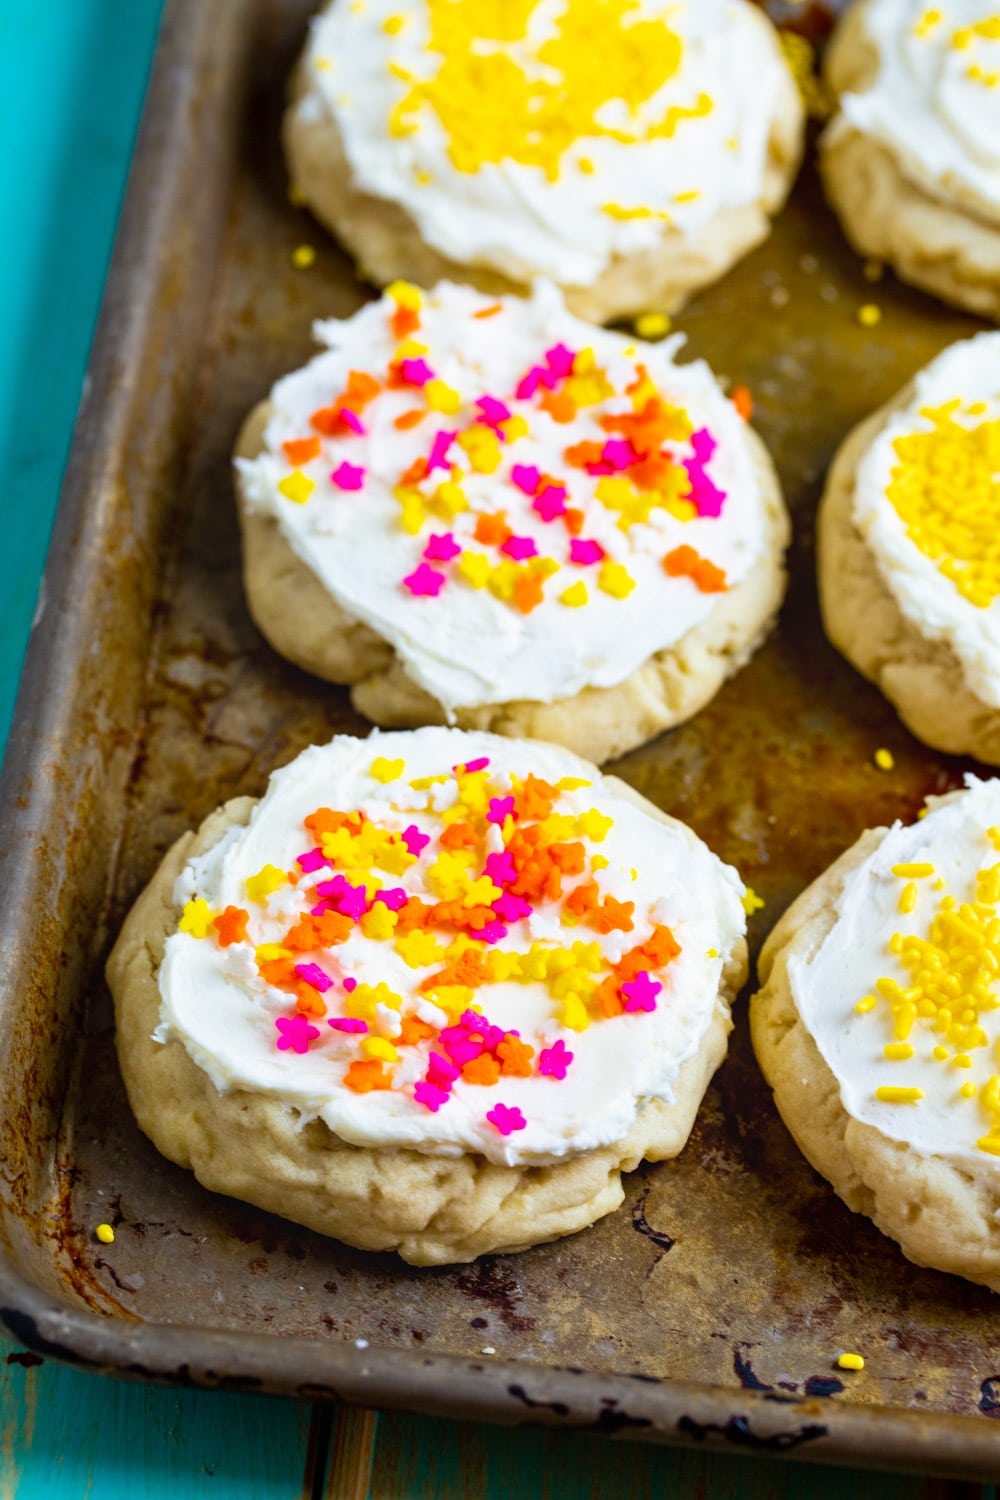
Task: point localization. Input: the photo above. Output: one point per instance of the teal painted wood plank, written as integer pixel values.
(72, 78)
(65, 1435)
(418, 1456)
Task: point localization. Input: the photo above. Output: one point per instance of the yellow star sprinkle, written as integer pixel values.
(575, 596)
(196, 918)
(387, 770)
(260, 886)
(751, 901)
(614, 579)
(297, 486)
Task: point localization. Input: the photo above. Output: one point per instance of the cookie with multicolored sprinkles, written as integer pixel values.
(629, 150)
(909, 558)
(433, 993)
(491, 513)
(878, 1027)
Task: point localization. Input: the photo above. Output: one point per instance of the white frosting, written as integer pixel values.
(510, 214)
(466, 646)
(215, 1003)
(935, 102)
(828, 983)
(968, 371)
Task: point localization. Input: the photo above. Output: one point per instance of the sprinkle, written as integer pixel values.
(913, 871)
(439, 451)
(890, 1095)
(395, 898)
(865, 1004)
(614, 579)
(301, 450)
(392, 25)
(750, 901)
(968, 1091)
(898, 1051)
(414, 840)
(405, 294)
(196, 918)
(350, 985)
(231, 926)
(442, 548)
(472, 766)
(520, 548)
(506, 1119)
(296, 487)
(294, 1034)
(350, 1025)
(585, 552)
(416, 371)
(652, 325)
(384, 770)
(303, 257)
(575, 596)
(526, 477)
(847, 1361)
(266, 880)
(554, 1061)
(501, 808)
(641, 992)
(424, 581)
(441, 397)
(492, 411)
(869, 315)
(551, 503)
(105, 1234)
(430, 1096)
(348, 476)
(743, 401)
(378, 1047)
(884, 760)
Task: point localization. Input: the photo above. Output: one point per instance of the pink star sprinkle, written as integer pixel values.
(493, 412)
(553, 1061)
(551, 503)
(500, 808)
(526, 477)
(519, 548)
(441, 547)
(461, 1048)
(294, 1033)
(619, 453)
(505, 1119)
(424, 582)
(314, 975)
(511, 908)
(416, 371)
(585, 552)
(430, 1096)
(348, 476)
(641, 992)
(395, 898)
(414, 840)
(529, 383)
(352, 420)
(351, 1025)
(493, 932)
(438, 458)
(560, 360)
(440, 1072)
(313, 859)
(500, 867)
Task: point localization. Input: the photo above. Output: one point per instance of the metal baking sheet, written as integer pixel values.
(709, 1309)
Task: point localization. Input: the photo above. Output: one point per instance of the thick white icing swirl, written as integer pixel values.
(215, 1003)
(967, 373)
(467, 646)
(855, 954)
(510, 214)
(935, 101)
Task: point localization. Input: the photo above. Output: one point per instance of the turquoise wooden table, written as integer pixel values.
(72, 77)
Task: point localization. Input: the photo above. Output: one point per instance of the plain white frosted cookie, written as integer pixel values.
(489, 512)
(911, 160)
(629, 150)
(433, 993)
(909, 562)
(878, 1026)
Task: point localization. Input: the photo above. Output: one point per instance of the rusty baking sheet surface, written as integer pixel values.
(711, 1306)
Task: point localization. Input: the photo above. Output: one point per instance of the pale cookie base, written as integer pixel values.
(939, 1215)
(433, 1210)
(949, 249)
(922, 679)
(301, 620)
(387, 245)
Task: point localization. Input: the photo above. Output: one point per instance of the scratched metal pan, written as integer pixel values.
(710, 1307)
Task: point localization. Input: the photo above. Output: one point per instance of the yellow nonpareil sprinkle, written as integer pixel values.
(940, 1054)
(296, 486)
(196, 918)
(869, 315)
(848, 1361)
(387, 770)
(751, 901)
(865, 1004)
(105, 1234)
(266, 880)
(586, 166)
(908, 897)
(962, 1060)
(303, 257)
(393, 25)
(889, 1094)
(884, 759)
(968, 1091)
(575, 596)
(652, 325)
(898, 1051)
(913, 872)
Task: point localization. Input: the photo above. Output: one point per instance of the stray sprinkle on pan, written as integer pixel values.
(105, 1234)
(869, 314)
(303, 257)
(884, 759)
(848, 1361)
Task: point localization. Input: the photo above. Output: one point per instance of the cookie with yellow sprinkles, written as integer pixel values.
(629, 150)
(488, 512)
(878, 1027)
(909, 556)
(911, 159)
(433, 993)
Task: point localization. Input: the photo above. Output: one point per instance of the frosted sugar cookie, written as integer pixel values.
(878, 1029)
(491, 512)
(909, 550)
(630, 150)
(911, 160)
(433, 993)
